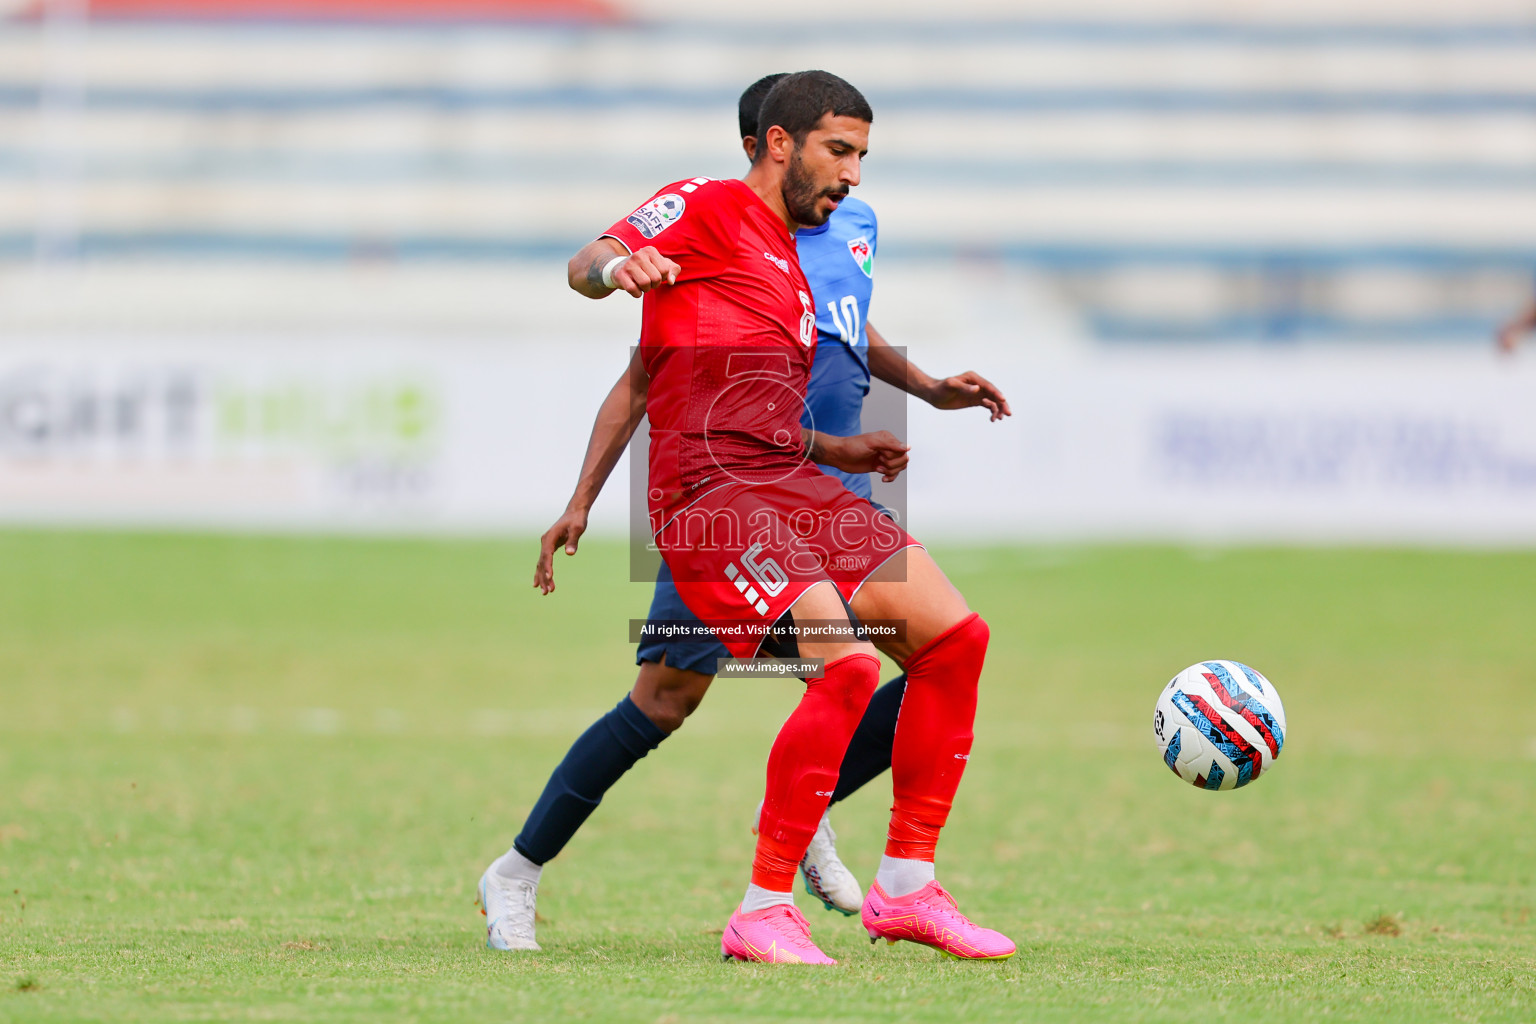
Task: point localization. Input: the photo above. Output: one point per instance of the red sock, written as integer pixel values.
(802, 767)
(933, 736)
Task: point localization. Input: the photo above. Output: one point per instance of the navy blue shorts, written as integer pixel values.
(687, 654)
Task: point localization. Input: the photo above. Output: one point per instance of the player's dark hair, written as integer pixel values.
(751, 102)
(798, 102)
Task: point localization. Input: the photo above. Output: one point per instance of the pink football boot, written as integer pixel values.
(930, 916)
(777, 935)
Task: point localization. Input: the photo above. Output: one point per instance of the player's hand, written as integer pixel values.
(968, 389)
(1509, 338)
(567, 530)
(878, 452)
(644, 270)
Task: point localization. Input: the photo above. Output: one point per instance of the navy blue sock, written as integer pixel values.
(598, 758)
(869, 752)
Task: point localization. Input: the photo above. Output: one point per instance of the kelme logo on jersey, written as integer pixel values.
(657, 215)
(862, 254)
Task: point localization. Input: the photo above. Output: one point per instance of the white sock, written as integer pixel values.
(514, 866)
(758, 898)
(899, 876)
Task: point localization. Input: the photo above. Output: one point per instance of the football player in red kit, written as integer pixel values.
(753, 534)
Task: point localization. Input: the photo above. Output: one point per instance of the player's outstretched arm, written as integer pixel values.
(1509, 334)
(962, 391)
(617, 419)
(604, 266)
(879, 451)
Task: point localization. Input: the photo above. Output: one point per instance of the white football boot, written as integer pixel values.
(508, 906)
(826, 876)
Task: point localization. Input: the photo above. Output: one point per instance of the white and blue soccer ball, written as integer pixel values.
(1219, 725)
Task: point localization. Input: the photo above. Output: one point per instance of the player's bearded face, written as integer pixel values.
(809, 200)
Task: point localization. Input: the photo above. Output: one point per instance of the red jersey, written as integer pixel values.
(728, 347)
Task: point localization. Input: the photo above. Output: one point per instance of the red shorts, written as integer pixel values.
(742, 554)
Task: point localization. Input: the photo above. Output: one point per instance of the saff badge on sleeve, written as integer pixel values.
(863, 255)
(657, 215)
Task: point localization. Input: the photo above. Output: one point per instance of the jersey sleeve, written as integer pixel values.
(695, 223)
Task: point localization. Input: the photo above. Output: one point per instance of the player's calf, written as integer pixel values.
(802, 768)
(933, 740)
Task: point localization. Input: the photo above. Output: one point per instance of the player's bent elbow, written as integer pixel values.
(576, 276)
(584, 270)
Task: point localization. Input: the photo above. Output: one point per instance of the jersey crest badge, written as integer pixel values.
(657, 215)
(862, 254)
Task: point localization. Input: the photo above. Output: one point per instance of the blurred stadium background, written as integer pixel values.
(298, 263)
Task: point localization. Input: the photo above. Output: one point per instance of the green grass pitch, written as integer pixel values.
(257, 779)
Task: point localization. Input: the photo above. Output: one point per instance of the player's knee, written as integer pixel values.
(676, 705)
(971, 641)
(854, 681)
(665, 711)
(668, 696)
(960, 651)
(976, 636)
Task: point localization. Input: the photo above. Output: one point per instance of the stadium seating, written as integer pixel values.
(1338, 177)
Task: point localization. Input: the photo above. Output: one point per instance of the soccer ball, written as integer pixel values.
(1219, 725)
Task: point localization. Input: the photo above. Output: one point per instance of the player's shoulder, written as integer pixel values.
(688, 199)
(704, 191)
(857, 214)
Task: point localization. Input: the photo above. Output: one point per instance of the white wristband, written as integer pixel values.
(609, 268)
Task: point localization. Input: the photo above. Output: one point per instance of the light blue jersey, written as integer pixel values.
(838, 259)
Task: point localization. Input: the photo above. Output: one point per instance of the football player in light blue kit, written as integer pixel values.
(838, 261)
